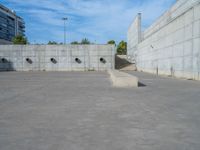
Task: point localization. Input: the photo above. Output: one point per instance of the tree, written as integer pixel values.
(85, 41)
(75, 43)
(122, 48)
(19, 39)
(52, 43)
(111, 42)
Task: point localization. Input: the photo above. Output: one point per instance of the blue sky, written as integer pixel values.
(97, 20)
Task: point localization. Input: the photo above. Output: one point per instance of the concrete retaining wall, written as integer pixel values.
(134, 37)
(57, 57)
(4, 42)
(171, 46)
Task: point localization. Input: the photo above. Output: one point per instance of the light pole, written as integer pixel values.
(64, 19)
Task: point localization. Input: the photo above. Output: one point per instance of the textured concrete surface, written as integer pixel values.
(171, 45)
(81, 111)
(134, 37)
(2, 42)
(122, 79)
(57, 57)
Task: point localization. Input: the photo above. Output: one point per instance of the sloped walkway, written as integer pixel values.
(121, 63)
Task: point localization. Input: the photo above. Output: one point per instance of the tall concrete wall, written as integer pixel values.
(56, 57)
(134, 36)
(171, 45)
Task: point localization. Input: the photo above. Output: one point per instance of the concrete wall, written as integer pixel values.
(56, 57)
(171, 45)
(134, 36)
(4, 42)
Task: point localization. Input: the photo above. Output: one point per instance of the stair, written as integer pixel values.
(121, 63)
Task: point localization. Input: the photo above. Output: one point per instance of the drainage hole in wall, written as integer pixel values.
(29, 60)
(53, 60)
(102, 60)
(78, 60)
(4, 60)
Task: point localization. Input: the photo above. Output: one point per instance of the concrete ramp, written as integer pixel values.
(121, 63)
(122, 79)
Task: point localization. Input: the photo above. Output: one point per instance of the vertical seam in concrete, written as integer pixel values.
(98, 58)
(193, 75)
(88, 54)
(84, 59)
(139, 28)
(70, 51)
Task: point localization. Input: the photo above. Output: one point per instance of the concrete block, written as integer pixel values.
(93, 59)
(178, 50)
(63, 52)
(188, 17)
(197, 12)
(196, 29)
(177, 63)
(189, 32)
(196, 46)
(51, 53)
(188, 64)
(102, 66)
(121, 79)
(187, 75)
(51, 67)
(196, 63)
(180, 22)
(188, 48)
(5, 53)
(78, 52)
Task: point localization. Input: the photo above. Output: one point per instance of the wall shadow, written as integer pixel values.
(121, 62)
(6, 65)
(141, 84)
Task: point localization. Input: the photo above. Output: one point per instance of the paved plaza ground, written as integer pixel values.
(82, 111)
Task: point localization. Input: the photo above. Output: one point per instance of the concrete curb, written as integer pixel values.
(121, 79)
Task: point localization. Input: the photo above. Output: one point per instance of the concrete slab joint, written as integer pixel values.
(122, 79)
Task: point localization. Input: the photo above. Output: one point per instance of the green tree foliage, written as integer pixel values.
(52, 43)
(75, 43)
(111, 42)
(122, 48)
(19, 39)
(85, 41)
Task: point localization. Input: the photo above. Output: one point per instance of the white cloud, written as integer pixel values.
(98, 20)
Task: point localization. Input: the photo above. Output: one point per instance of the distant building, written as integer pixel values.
(10, 25)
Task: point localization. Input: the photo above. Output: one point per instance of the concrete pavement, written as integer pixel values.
(82, 111)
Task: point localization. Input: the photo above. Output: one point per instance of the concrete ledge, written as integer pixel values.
(121, 79)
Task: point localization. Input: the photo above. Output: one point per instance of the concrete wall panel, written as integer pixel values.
(172, 43)
(56, 57)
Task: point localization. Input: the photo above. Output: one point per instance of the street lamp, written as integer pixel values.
(64, 19)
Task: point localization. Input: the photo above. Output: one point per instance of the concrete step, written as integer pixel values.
(122, 79)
